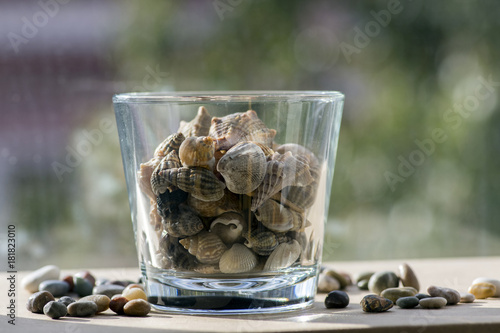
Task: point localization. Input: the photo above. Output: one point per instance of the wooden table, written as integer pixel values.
(457, 273)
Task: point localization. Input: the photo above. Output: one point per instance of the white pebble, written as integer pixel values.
(31, 281)
(494, 282)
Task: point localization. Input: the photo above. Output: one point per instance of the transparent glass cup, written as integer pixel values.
(229, 194)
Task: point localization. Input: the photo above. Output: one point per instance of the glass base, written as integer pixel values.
(186, 293)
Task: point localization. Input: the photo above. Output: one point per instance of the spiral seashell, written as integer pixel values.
(283, 256)
(206, 246)
(268, 151)
(173, 142)
(144, 176)
(201, 183)
(197, 151)
(243, 167)
(262, 242)
(158, 183)
(238, 259)
(229, 227)
(276, 217)
(199, 126)
(181, 221)
(237, 127)
(168, 201)
(177, 256)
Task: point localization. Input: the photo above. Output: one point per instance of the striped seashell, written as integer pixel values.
(168, 201)
(201, 183)
(261, 242)
(230, 202)
(298, 198)
(298, 150)
(229, 227)
(199, 126)
(158, 183)
(283, 256)
(237, 127)
(238, 259)
(144, 176)
(197, 151)
(177, 255)
(173, 142)
(243, 167)
(181, 221)
(277, 217)
(268, 151)
(207, 247)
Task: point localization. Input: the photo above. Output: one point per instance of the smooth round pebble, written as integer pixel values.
(451, 295)
(69, 280)
(134, 293)
(433, 302)
(340, 277)
(482, 290)
(375, 303)
(82, 286)
(108, 289)
(102, 301)
(66, 300)
(495, 282)
(117, 303)
(422, 295)
(408, 277)
(82, 309)
(134, 285)
(363, 276)
(87, 276)
(363, 284)
(326, 283)
(407, 302)
(137, 308)
(37, 301)
(383, 280)
(56, 287)
(31, 281)
(337, 299)
(467, 298)
(394, 293)
(55, 310)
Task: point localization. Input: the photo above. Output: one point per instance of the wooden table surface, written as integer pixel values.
(457, 273)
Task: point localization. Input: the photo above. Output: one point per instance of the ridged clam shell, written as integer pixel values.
(228, 226)
(262, 242)
(298, 150)
(144, 176)
(238, 127)
(283, 256)
(197, 151)
(168, 201)
(276, 217)
(201, 183)
(238, 259)
(243, 167)
(206, 246)
(158, 183)
(199, 126)
(173, 142)
(182, 222)
(298, 198)
(268, 151)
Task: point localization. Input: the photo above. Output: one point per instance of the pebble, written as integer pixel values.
(451, 295)
(102, 301)
(433, 302)
(337, 299)
(137, 308)
(394, 293)
(122, 283)
(69, 280)
(407, 302)
(37, 301)
(134, 285)
(55, 310)
(87, 276)
(467, 298)
(82, 286)
(117, 303)
(375, 303)
(66, 300)
(363, 284)
(31, 281)
(340, 277)
(82, 309)
(422, 296)
(101, 281)
(108, 289)
(326, 283)
(134, 293)
(495, 282)
(408, 277)
(56, 287)
(482, 290)
(383, 280)
(363, 276)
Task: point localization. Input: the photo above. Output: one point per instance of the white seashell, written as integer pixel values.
(199, 126)
(144, 176)
(283, 256)
(238, 259)
(228, 226)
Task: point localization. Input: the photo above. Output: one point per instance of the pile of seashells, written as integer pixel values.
(225, 198)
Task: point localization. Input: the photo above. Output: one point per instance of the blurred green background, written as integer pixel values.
(418, 164)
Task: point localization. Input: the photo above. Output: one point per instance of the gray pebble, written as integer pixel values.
(102, 301)
(433, 302)
(82, 286)
(108, 289)
(467, 298)
(407, 302)
(31, 281)
(56, 287)
(101, 281)
(383, 280)
(55, 310)
(451, 295)
(82, 309)
(363, 284)
(421, 296)
(37, 301)
(66, 300)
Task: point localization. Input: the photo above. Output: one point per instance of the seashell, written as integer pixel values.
(177, 255)
(197, 151)
(207, 269)
(236, 127)
(238, 259)
(199, 126)
(298, 150)
(283, 256)
(265, 149)
(167, 201)
(228, 226)
(282, 170)
(181, 221)
(230, 202)
(201, 183)
(173, 142)
(276, 217)
(297, 198)
(206, 246)
(262, 242)
(144, 176)
(158, 183)
(154, 217)
(243, 167)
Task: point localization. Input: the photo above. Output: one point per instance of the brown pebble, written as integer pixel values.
(137, 308)
(134, 293)
(69, 280)
(117, 303)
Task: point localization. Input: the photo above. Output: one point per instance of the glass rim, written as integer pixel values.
(229, 96)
